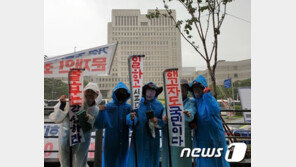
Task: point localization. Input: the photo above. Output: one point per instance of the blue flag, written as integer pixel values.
(227, 83)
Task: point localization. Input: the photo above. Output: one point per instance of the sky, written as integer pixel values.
(83, 24)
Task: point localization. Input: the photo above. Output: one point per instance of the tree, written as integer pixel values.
(54, 88)
(215, 11)
(228, 91)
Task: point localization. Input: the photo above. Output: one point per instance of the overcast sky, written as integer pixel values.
(83, 23)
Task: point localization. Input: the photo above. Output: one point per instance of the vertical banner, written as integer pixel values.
(75, 79)
(135, 66)
(174, 107)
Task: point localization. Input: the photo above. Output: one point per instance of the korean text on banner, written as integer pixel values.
(76, 96)
(174, 107)
(96, 61)
(136, 76)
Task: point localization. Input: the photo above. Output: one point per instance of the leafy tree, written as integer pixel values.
(228, 91)
(54, 88)
(215, 10)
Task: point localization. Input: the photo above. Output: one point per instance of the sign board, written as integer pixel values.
(174, 108)
(76, 95)
(135, 64)
(51, 143)
(96, 61)
(245, 99)
(227, 83)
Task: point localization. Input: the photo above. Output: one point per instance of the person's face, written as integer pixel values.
(150, 94)
(121, 95)
(197, 91)
(90, 96)
(184, 90)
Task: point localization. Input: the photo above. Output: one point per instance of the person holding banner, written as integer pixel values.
(116, 135)
(92, 97)
(209, 132)
(149, 122)
(189, 110)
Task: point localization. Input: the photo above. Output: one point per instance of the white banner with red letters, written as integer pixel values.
(96, 61)
(51, 132)
(76, 95)
(136, 78)
(174, 107)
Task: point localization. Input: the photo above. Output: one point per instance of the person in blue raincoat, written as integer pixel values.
(116, 135)
(147, 127)
(209, 132)
(92, 97)
(189, 110)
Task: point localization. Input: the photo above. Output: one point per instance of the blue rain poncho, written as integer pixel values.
(116, 135)
(209, 133)
(147, 146)
(79, 151)
(189, 105)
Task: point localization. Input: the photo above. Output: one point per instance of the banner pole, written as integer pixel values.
(69, 97)
(132, 103)
(166, 109)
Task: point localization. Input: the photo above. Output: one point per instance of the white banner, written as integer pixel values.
(96, 61)
(245, 99)
(51, 144)
(174, 108)
(135, 63)
(76, 95)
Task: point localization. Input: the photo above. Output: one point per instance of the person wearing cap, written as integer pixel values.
(116, 135)
(209, 132)
(92, 97)
(149, 121)
(189, 111)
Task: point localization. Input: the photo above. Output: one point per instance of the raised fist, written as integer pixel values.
(102, 107)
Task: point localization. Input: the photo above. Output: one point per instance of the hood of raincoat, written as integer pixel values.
(149, 84)
(118, 86)
(200, 79)
(94, 87)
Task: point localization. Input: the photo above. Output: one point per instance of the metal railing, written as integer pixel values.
(245, 138)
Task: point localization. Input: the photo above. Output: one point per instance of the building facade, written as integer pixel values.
(157, 39)
(236, 70)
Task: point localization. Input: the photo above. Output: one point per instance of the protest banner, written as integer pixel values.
(135, 67)
(96, 61)
(51, 149)
(174, 108)
(75, 98)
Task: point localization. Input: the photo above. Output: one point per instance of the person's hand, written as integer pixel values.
(206, 90)
(165, 118)
(63, 98)
(88, 116)
(133, 115)
(102, 107)
(154, 120)
(188, 114)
